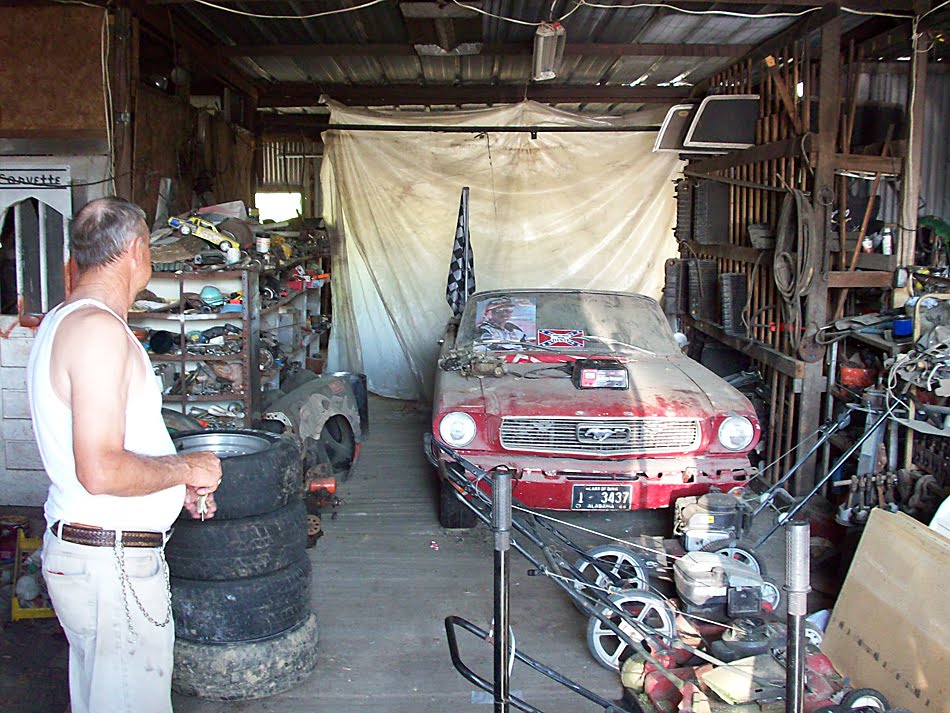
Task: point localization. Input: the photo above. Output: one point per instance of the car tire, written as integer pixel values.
(260, 471)
(245, 671)
(740, 550)
(453, 515)
(242, 609)
(336, 448)
(237, 549)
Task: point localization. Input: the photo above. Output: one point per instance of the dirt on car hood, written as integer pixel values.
(659, 386)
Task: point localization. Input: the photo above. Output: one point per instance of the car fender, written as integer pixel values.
(307, 408)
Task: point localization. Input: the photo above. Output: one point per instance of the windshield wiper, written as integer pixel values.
(524, 345)
(606, 340)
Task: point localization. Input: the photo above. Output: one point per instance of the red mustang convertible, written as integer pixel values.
(588, 399)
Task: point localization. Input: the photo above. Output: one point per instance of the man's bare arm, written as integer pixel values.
(94, 360)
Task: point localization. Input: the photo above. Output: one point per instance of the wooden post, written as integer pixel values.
(910, 184)
(121, 71)
(816, 311)
(253, 124)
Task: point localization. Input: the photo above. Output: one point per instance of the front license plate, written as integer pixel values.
(600, 497)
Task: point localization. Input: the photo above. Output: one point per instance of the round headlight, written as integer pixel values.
(457, 429)
(736, 433)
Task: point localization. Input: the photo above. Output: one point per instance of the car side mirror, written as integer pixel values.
(681, 340)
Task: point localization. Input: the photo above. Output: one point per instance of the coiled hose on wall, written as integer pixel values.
(797, 258)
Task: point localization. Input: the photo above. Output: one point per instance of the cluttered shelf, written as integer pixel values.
(293, 262)
(281, 302)
(794, 368)
(881, 341)
(306, 342)
(183, 317)
(201, 398)
(188, 357)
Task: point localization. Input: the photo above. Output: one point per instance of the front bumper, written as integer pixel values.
(549, 483)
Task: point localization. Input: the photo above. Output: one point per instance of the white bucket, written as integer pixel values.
(263, 244)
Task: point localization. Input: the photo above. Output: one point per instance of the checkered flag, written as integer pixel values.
(461, 282)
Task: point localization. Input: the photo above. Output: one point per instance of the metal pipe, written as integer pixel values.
(797, 588)
(829, 402)
(494, 129)
(501, 529)
(826, 432)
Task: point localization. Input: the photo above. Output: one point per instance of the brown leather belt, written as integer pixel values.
(106, 538)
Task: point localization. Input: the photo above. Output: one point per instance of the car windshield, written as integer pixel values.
(569, 321)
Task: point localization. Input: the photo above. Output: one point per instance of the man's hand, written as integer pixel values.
(191, 503)
(204, 471)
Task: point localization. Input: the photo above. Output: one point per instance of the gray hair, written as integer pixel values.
(102, 231)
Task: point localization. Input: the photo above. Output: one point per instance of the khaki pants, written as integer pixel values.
(112, 669)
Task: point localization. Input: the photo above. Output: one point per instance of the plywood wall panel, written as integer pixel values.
(51, 70)
(174, 140)
(164, 128)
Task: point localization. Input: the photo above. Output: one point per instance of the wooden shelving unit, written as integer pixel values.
(173, 286)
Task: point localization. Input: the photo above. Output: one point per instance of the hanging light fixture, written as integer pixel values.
(549, 43)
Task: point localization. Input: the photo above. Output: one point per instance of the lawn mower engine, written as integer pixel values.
(716, 585)
(706, 518)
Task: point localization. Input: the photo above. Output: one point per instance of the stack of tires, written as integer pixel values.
(241, 580)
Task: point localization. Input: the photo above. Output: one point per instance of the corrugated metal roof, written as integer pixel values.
(384, 23)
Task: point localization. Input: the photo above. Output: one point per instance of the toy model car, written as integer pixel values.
(204, 229)
(588, 399)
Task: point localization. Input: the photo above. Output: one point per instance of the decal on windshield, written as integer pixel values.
(561, 338)
(507, 319)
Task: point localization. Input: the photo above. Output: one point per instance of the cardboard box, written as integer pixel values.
(890, 629)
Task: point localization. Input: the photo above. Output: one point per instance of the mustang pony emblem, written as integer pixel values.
(599, 434)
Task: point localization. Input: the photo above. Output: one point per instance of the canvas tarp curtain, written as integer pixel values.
(573, 210)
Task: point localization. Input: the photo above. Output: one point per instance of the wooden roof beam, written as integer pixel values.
(213, 62)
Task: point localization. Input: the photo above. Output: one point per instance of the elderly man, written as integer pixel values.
(117, 485)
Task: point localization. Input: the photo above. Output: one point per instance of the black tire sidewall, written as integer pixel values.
(218, 550)
(453, 515)
(244, 671)
(242, 609)
(256, 483)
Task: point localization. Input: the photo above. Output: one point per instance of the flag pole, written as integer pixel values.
(466, 237)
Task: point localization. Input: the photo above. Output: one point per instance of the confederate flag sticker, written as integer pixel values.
(561, 338)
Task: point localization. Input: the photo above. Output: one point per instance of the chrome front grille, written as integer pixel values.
(603, 436)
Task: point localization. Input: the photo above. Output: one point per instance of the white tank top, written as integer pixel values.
(145, 434)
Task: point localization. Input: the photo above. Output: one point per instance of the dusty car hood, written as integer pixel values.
(659, 386)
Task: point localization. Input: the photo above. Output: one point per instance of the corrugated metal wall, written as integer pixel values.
(285, 165)
(888, 85)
